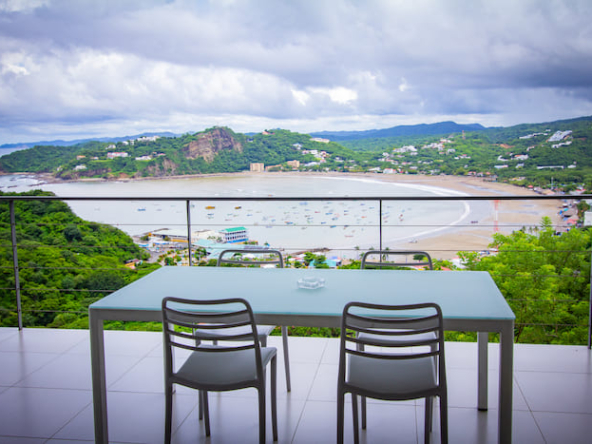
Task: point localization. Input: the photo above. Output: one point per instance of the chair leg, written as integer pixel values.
(429, 404)
(206, 410)
(363, 403)
(355, 418)
(444, 418)
(261, 392)
(360, 347)
(200, 406)
(286, 357)
(340, 415)
(274, 398)
(168, 413)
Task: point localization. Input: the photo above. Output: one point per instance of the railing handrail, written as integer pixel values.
(301, 198)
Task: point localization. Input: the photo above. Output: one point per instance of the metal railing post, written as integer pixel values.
(380, 223)
(17, 283)
(590, 310)
(189, 230)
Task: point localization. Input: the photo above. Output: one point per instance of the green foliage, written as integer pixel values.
(545, 279)
(65, 263)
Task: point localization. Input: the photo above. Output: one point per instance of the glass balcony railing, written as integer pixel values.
(54, 264)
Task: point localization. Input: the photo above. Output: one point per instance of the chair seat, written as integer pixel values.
(262, 332)
(211, 369)
(384, 377)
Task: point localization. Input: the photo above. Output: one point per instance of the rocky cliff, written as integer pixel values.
(211, 143)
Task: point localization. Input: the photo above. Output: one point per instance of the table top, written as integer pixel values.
(460, 294)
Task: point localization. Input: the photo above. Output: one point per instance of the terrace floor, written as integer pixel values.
(45, 395)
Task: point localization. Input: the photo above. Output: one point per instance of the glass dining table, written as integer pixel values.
(470, 301)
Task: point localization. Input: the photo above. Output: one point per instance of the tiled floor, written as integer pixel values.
(45, 395)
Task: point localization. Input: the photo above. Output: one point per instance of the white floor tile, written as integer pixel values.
(43, 340)
(463, 387)
(561, 428)
(39, 412)
(18, 365)
(133, 418)
(542, 358)
(556, 392)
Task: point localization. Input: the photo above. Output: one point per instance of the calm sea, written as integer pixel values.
(296, 225)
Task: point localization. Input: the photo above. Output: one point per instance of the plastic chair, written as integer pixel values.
(242, 258)
(412, 367)
(216, 368)
(405, 259)
(413, 259)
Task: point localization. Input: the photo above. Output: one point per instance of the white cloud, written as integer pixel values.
(403, 86)
(300, 96)
(338, 94)
(66, 65)
(21, 5)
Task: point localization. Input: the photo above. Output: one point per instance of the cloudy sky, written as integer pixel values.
(76, 68)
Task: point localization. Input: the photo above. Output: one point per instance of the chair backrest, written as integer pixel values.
(396, 258)
(416, 330)
(250, 257)
(186, 323)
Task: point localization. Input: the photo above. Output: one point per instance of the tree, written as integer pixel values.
(545, 279)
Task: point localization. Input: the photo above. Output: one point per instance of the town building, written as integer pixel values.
(257, 167)
(234, 235)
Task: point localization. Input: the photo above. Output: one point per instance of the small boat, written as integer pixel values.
(142, 209)
(210, 207)
(237, 208)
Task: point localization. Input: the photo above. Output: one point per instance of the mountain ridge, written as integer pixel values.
(59, 142)
(427, 129)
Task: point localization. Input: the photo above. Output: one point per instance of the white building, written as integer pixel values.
(559, 135)
(405, 149)
(115, 154)
(234, 235)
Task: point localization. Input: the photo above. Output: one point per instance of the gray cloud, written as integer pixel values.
(70, 68)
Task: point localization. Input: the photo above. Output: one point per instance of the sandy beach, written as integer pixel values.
(511, 215)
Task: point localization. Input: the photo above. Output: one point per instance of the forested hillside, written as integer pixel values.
(65, 263)
(215, 150)
(548, 155)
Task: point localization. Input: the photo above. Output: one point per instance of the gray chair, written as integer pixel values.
(383, 259)
(216, 368)
(257, 258)
(411, 367)
(405, 259)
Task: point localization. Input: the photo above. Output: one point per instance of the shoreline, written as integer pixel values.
(457, 183)
(443, 243)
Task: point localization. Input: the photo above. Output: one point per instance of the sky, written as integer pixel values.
(73, 69)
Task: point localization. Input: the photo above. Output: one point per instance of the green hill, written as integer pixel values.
(65, 263)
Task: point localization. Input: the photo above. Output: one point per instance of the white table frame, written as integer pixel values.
(149, 310)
